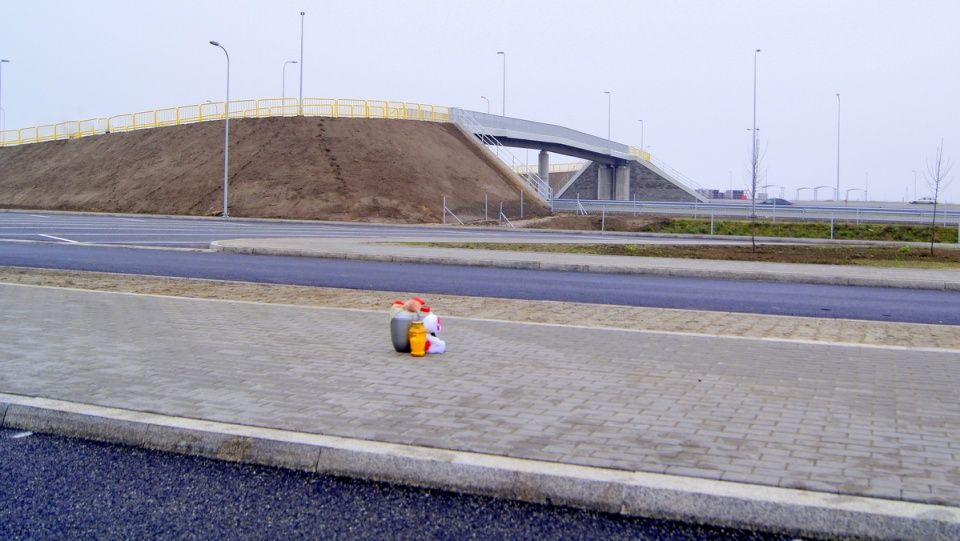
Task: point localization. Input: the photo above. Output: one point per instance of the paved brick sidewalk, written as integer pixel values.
(855, 420)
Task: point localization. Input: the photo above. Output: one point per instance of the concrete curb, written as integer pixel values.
(646, 270)
(629, 493)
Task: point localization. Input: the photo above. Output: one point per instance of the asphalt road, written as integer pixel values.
(807, 300)
(66, 489)
(179, 232)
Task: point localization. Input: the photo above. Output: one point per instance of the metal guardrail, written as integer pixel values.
(189, 114)
(539, 186)
(525, 169)
(947, 216)
(645, 156)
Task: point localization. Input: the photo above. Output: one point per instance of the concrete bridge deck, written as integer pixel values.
(617, 171)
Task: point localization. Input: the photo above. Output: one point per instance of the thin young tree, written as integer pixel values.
(937, 181)
(755, 180)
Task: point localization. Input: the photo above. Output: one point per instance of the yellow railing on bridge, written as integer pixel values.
(189, 114)
(642, 154)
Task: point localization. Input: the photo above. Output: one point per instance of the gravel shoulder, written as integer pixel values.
(548, 312)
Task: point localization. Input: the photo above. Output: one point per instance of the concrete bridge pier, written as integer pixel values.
(543, 166)
(622, 186)
(605, 179)
(613, 182)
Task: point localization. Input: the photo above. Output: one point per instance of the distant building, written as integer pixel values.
(726, 194)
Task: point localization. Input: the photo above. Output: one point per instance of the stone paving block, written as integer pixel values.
(662, 401)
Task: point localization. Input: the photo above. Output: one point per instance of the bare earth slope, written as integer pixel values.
(296, 168)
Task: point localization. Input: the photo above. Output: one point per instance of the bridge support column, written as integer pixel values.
(622, 190)
(543, 166)
(605, 182)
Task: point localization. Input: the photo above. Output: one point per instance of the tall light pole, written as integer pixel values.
(226, 131)
(300, 101)
(914, 184)
(283, 93)
(753, 172)
(1, 101)
(641, 134)
(504, 99)
(838, 148)
(488, 103)
(609, 99)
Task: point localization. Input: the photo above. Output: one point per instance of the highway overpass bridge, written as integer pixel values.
(614, 171)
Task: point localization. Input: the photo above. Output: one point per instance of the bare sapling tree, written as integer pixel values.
(937, 180)
(755, 180)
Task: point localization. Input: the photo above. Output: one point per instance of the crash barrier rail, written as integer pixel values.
(189, 114)
(553, 168)
(948, 216)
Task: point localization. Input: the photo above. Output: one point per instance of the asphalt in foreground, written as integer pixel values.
(63, 488)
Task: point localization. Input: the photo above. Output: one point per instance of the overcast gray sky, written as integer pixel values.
(684, 67)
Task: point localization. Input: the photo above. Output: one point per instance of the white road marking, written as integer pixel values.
(19, 435)
(60, 239)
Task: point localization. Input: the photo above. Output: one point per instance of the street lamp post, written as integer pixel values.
(1, 101)
(914, 184)
(753, 172)
(226, 131)
(609, 99)
(300, 101)
(641, 134)
(847, 196)
(283, 93)
(838, 148)
(504, 98)
(765, 186)
(488, 103)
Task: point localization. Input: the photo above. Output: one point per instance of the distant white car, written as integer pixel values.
(924, 201)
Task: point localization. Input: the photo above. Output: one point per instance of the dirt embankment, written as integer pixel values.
(310, 168)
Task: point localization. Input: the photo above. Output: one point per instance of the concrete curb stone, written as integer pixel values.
(892, 281)
(629, 493)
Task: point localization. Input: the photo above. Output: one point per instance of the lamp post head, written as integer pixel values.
(758, 50)
(302, 14)
(501, 52)
(4, 60)
(215, 43)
